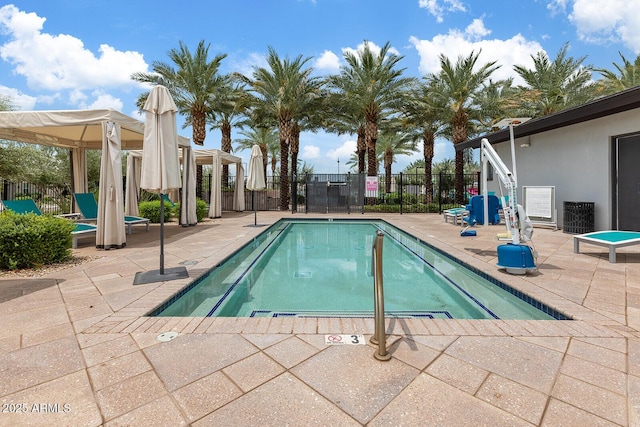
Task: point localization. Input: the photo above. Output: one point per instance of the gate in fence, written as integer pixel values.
(335, 193)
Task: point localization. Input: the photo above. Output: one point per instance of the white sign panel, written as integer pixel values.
(344, 339)
(371, 186)
(538, 202)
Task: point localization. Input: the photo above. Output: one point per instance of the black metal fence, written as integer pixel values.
(327, 193)
(317, 193)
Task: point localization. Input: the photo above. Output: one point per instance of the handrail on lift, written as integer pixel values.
(379, 337)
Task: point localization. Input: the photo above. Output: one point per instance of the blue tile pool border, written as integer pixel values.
(521, 295)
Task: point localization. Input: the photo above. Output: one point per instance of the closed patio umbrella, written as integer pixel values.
(255, 179)
(110, 220)
(160, 168)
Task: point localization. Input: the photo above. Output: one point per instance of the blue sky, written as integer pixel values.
(70, 54)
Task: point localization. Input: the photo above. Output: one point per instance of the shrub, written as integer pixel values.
(30, 240)
(151, 211)
(202, 210)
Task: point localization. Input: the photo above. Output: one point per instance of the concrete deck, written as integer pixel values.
(76, 348)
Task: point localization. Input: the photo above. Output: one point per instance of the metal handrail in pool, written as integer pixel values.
(379, 335)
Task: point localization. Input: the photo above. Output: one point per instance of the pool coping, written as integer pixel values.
(134, 318)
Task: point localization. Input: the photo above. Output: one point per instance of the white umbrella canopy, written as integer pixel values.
(160, 158)
(160, 167)
(255, 179)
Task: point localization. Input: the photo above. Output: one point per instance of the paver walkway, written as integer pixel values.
(76, 348)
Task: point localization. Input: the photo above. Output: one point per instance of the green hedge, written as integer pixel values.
(30, 240)
(202, 209)
(151, 211)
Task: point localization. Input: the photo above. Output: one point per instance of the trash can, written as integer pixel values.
(578, 217)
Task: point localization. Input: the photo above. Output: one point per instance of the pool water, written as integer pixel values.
(322, 268)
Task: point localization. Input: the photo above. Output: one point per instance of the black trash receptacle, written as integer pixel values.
(578, 217)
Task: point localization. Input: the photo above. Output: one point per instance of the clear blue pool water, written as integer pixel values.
(322, 268)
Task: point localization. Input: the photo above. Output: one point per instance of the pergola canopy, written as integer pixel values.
(78, 130)
(72, 128)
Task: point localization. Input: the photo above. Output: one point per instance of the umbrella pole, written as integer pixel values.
(161, 233)
(255, 211)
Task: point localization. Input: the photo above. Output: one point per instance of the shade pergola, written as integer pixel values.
(217, 158)
(77, 131)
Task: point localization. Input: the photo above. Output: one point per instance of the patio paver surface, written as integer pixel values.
(77, 349)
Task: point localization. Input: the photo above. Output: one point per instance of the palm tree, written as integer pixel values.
(190, 84)
(374, 88)
(342, 118)
(423, 118)
(229, 105)
(556, 85)
(266, 139)
(628, 77)
(283, 91)
(390, 145)
(353, 162)
(456, 90)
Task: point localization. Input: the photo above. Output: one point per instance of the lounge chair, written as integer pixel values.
(25, 206)
(89, 209)
(611, 239)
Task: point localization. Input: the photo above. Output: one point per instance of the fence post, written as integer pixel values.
(400, 190)
(294, 193)
(440, 192)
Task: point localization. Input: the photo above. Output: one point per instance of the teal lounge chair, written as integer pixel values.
(25, 206)
(88, 206)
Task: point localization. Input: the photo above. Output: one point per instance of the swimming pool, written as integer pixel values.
(320, 268)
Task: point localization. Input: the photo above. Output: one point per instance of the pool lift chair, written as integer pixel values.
(516, 257)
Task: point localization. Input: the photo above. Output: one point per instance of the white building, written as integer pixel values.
(589, 154)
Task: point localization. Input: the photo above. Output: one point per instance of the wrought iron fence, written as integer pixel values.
(402, 193)
(322, 193)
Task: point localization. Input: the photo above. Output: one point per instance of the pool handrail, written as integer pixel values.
(379, 337)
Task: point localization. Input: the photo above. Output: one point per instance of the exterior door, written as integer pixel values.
(628, 191)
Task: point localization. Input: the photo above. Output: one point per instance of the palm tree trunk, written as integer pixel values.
(371, 137)
(295, 144)
(361, 150)
(459, 178)
(285, 137)
(265, 160)
(459, 135)
(225, 144)
(199, 124)
(388, 160)
(428, 142)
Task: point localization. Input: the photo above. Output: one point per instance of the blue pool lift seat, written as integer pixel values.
(476, 210)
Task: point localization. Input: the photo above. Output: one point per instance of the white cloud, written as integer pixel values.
(372, 46)
(59, 67)
(61, 62)
(20, 100)
(344, 151)
(310, 152)
(246, 65)
(104, 100)
(328, 61)
(557, 6)
(438, 8)
(514, 51)
(603, 21)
